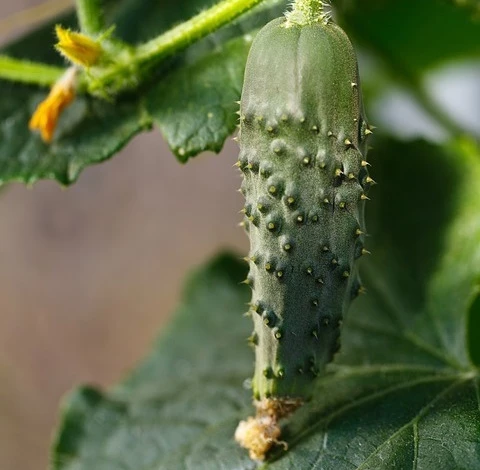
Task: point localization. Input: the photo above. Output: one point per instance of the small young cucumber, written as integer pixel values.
(302, 141)
(302, 138)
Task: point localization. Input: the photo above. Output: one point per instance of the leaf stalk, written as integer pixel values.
(25, 71)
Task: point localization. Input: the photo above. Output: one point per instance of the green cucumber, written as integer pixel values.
(302, 139)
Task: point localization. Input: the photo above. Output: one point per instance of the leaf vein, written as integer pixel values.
(423, 411)
(377, 394)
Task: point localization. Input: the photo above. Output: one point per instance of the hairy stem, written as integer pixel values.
(132, 67)
(132, 63)
(29, 72)
(305, 12)
(194, 29)
(90, 16)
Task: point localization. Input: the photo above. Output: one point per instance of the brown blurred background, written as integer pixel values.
(89, 275)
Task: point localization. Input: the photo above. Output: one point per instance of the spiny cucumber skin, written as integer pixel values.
(302, 143)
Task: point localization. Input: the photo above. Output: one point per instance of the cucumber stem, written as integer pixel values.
(305, 12)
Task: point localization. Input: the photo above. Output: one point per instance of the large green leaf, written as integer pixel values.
(402, 393)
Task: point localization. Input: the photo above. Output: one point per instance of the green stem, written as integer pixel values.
(132, 66)
(192, 30)
(29, 72)
(90, 16)
(131, 63)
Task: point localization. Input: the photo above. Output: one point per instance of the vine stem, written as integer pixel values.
(118, 77)
(192, 30)
(90, 16)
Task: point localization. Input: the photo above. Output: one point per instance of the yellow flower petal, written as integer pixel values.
(46, 115)
(78, 48)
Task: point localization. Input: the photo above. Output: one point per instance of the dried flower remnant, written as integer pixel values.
(261, 433)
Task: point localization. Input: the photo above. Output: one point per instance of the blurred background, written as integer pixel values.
(89, 275)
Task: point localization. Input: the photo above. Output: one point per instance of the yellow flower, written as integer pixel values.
(78, 48)
(46, 115)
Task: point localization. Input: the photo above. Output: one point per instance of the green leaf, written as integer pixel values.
(403, 392)
(89, 132)
(203, 81)
(195, 105)
(192, 382)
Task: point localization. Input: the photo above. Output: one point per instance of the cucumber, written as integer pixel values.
(302, 138)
